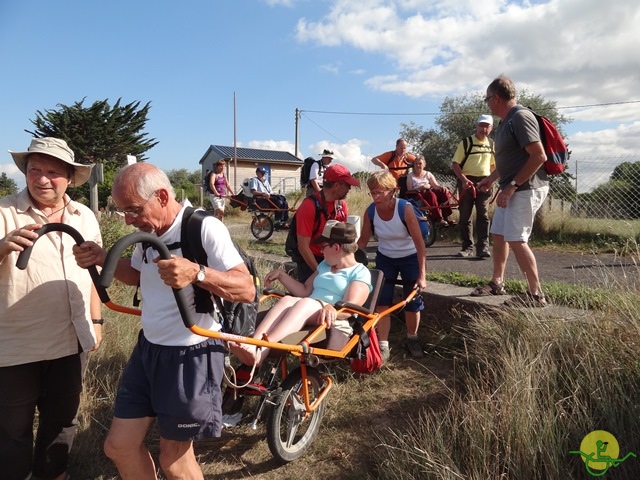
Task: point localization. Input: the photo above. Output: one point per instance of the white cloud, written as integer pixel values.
(574, 52)
(348, 154)
(280, 145)
(12, 172)
(331, 68)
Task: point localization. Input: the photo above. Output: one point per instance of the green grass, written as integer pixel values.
(498, 395)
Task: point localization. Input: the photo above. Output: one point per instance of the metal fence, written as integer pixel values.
(604, 187)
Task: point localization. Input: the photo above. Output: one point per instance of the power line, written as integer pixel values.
(327, 112)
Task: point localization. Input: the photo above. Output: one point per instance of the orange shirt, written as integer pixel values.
(397, 164)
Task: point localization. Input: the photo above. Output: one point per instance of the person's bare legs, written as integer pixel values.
(288, 315)
(528, 265)
(125, 447)
(413, 322)
(178, 461)
(383, 327)
(500, 256)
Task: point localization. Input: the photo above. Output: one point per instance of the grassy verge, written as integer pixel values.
(506, 395)
(528, 390)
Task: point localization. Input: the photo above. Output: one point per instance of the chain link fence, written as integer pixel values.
(605, 187)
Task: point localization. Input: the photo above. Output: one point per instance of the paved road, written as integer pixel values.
(601, 270)
(587, 268)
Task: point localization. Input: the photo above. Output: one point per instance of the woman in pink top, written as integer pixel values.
(218, 187)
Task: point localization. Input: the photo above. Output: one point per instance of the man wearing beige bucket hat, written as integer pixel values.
(47, 314)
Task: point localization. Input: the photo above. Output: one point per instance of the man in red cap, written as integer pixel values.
(312, 215)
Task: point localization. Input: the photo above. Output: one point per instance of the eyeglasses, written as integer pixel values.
(378, 193)
(486, 100)
(135, 211)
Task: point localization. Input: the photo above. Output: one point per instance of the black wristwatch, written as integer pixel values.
(97, 321)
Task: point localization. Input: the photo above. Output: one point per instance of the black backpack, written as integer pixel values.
(236, 317)
(468, 145)
(306, 170)
(205, 182)
(291, 243)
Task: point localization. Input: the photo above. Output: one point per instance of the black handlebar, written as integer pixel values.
(111, 262)
(25, 255)
(103, 281)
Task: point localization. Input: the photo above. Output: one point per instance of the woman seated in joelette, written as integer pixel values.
(339, 277)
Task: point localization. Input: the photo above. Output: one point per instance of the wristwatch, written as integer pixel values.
(201, 274)
(514, 184)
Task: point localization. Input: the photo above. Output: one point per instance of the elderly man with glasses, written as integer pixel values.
(173, 375)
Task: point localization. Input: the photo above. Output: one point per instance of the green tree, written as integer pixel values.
(186, 183)
(8, 186)
(98, 133)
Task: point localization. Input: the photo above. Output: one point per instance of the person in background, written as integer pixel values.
(50, 314)
(470, 169)
(317, 170)
(523, 189)
(397, 161)
(219, 187)
(338, 277)
(401, 251)
(423, 188)
(173, 375)
(313, 213)
(265, 198)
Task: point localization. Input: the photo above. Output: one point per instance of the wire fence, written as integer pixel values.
(605, 187)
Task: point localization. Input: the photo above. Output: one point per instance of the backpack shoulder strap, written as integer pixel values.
(192, 249)
(402, 204)
(467, 144)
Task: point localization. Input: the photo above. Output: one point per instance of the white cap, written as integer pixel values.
(485, 119)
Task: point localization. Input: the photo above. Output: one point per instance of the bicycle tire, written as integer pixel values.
(286, 439)
(262, 227)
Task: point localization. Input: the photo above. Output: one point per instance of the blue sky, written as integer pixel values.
(396, 56)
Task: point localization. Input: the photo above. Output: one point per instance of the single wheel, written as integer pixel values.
(290, 430)
(262, 227)
(430, 238)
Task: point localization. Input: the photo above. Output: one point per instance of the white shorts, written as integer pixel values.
(217, 203)
(515, 222)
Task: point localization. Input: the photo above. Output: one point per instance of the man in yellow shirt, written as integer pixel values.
(473, 161)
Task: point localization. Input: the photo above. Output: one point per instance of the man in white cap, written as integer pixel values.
(317, 170)
(50, 314)
(473, 161)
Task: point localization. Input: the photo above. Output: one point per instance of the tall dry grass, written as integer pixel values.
(530, 387)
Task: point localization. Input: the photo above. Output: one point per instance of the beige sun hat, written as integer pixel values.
(56, 148)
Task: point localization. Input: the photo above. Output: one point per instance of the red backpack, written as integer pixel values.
(553, 143)
(368, 358)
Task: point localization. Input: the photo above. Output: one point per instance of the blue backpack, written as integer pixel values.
(422, 218)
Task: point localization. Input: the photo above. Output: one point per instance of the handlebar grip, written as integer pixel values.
(25, 255)
(114, 254)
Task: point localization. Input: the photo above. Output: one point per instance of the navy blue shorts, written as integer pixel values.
(180, 386)
(407, 267)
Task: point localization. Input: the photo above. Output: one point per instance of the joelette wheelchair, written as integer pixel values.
(291, 396)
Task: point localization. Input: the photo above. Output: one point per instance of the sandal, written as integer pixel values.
(490, 288)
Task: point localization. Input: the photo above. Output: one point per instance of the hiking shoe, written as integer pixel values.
(385, 352)
(414, 347)
(527, 299)
(484, 254)
(466, 252)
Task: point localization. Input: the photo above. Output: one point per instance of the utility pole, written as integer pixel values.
(297, 135)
